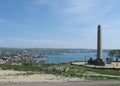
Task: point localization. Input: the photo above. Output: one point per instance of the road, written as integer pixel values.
(81, 83)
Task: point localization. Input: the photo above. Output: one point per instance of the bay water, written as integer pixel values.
(71, 57)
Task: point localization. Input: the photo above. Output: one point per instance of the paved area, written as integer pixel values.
(115, 65)
(81, 83)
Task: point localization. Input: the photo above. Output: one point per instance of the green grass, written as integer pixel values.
(75, 71)
(114, 85)
(105, 71)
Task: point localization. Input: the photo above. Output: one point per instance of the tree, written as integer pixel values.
(114, 53)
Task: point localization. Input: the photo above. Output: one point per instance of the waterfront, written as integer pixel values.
(70, 57)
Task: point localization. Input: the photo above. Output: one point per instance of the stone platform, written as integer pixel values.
(114, 65)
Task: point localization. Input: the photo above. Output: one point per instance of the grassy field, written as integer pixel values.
(68, 70)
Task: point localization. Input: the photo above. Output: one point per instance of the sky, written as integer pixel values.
(59, 23)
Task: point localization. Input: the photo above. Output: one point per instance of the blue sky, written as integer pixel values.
(59, 23)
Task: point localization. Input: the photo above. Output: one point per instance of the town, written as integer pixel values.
(17, 56)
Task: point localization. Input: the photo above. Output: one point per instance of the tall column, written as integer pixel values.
(99, 43)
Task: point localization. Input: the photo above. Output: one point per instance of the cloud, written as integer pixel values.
(83, 11)
(79, 12)
(78, 6)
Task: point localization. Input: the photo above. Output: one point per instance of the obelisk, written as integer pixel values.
(99, 43)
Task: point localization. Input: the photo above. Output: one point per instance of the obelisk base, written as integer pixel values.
(97, 62)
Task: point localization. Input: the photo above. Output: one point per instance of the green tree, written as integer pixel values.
(114, 53)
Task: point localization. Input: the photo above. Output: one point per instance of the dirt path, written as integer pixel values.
(21, 76)
(81, 83)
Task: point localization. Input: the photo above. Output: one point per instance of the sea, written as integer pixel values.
(72, 57)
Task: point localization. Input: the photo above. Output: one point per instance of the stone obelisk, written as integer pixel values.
(98, 61)
(99, 43)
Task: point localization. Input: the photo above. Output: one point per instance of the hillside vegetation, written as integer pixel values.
(67, 70)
